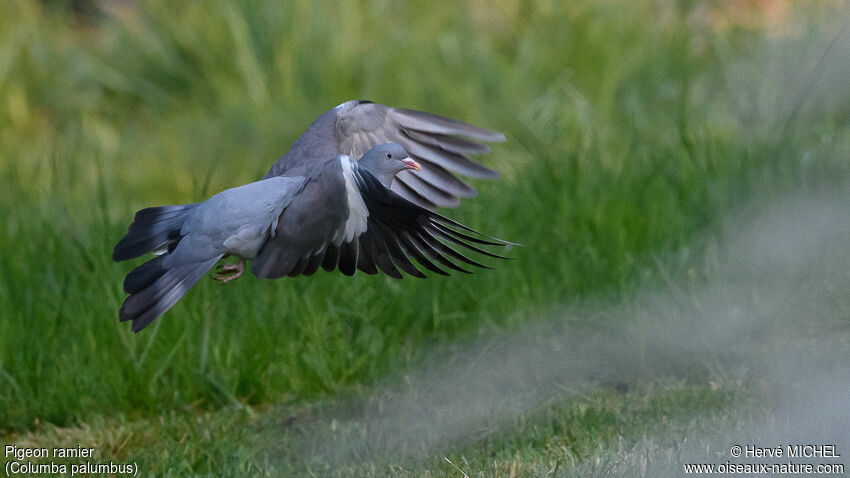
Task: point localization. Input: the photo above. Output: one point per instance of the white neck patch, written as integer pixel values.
(356, 223)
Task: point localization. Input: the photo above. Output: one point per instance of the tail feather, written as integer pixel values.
(155, 288)
(153, 228)
(143, 276)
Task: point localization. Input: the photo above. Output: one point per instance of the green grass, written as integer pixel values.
(549, 441)
(631, 144)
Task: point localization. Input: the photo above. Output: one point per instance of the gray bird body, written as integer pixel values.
(347, 218)
(314, 219)
(237, 221)
(319, 207)
(325, 218)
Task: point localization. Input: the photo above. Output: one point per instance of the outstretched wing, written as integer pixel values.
(399, 232)
(442, 147)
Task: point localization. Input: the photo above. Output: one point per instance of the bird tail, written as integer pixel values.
(157, 285)
(153, 228)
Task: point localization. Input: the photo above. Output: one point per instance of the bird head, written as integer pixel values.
(386, 160)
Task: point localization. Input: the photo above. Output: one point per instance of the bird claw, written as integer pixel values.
(228, 272)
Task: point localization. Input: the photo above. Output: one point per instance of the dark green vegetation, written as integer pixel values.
(636, 130)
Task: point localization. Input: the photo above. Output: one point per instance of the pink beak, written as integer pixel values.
(411, 164)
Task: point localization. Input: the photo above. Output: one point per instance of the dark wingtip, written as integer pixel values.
(506, 243)
(420, 275)
(365, 102)
(444, 221)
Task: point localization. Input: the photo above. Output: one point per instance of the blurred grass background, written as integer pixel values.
(634, 129)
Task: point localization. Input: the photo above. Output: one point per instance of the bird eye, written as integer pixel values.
(389, 155)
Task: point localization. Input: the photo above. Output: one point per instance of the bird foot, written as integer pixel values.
(229, 272)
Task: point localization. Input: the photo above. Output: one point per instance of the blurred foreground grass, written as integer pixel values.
(634, 129)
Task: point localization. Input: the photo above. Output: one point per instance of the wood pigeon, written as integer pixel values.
(324, 209)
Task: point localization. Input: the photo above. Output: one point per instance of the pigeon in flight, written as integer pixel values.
(330, 212)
